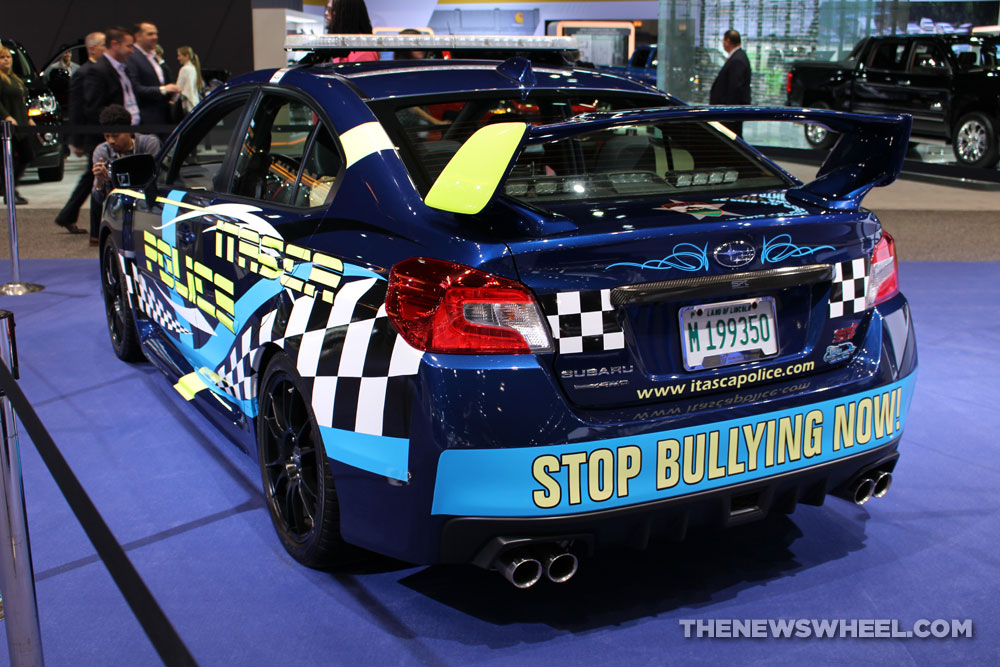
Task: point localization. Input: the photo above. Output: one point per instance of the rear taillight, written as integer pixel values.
(884, 283)
(440, 306)
(788, 82)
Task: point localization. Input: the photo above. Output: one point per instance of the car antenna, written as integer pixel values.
(518, 70)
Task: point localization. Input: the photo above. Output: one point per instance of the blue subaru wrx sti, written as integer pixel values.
(502, 313)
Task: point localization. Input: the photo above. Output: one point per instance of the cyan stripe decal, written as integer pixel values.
(170, 211)
(587, 476)
(375, 453)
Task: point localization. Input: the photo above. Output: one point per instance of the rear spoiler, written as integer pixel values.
(869, 152)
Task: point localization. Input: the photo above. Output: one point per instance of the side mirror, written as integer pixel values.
(135, 172)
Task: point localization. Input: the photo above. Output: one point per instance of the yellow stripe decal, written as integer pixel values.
(298, 252)
(318, 275)
(292, 283)
(189, 385)
(159, 200)
(224, 283)
(249, 249)
(272, 242)
(363, 140)
(328, 262)
(206, 305)
(224, 302)
(249, 235)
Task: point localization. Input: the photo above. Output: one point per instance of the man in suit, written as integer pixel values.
(107, 83)
(81, 144)
(150, 79)
(732, 85)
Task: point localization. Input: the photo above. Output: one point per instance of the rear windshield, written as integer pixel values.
(648, 160)
(668, 158)
(430, 133)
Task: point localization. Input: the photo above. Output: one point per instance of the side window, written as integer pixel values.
(194, 161)
(889, 56)
(319, 170)
(928, 57)
(991, 55)
(968, 55)
(273, 153)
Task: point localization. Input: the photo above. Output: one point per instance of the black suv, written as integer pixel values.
(950, 84)
(44, 110)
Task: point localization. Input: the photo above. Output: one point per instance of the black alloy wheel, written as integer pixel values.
(121, 325)
(298, 483)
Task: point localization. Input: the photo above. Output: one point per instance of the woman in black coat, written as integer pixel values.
(14, 109)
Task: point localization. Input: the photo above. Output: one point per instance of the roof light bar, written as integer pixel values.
(426, 42)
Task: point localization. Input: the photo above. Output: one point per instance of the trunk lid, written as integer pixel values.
(629, 298)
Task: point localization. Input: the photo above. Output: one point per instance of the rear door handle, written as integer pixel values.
(904, 82)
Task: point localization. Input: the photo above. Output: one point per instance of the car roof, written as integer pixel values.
(403, 78)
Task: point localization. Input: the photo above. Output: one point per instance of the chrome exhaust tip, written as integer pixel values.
(520, 570)
(861, 490)
(882, 480)
(561, 566)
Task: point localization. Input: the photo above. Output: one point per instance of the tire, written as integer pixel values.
(52, 174)
(974, 141)
(818, 137)
(298, 485)
(117, 307)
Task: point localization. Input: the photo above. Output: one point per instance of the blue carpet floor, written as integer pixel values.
(187, 507)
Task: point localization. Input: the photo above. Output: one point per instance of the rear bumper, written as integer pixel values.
(496, 452)
(474, 539)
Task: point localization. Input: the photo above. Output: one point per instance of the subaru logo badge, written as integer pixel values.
(734, 254)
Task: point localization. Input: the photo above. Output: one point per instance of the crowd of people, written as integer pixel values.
(125, 82)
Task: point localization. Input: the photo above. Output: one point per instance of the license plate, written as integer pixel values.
(731, 332)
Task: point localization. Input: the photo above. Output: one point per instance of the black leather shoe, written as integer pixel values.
(18, 199)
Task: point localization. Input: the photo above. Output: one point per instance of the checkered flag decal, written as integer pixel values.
(348, 352)
(237, 371)
(850, 287)
(148, 303)
(583, 321)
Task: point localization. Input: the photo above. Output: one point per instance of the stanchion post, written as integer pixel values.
(15, 287)
(24, 637)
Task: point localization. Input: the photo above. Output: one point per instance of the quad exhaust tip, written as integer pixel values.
(525, 567)
(872, 484)
(560, 567)
(521, 570)
(861, 490)
(883, 480)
